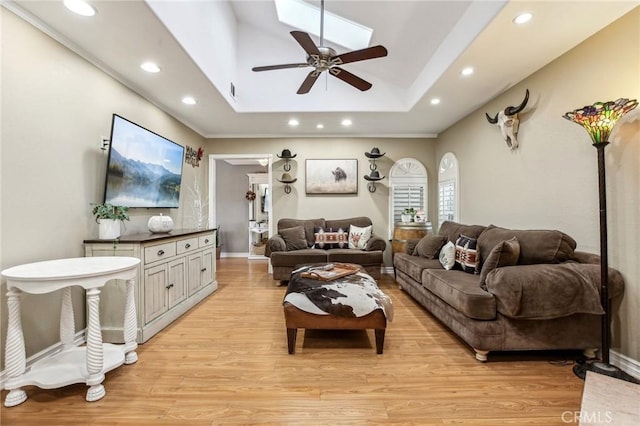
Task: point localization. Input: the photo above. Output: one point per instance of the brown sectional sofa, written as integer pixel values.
(284, 259)
(549, 299)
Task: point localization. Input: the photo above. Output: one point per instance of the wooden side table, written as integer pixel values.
(403, 232)
(72, 364)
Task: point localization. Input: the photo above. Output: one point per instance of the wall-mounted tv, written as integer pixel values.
(144, 169)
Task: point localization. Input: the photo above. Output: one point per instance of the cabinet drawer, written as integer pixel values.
(159, 252)
(206, 240)
(187, 245)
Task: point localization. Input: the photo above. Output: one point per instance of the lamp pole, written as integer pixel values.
(604, 261)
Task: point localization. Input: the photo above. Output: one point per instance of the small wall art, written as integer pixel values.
(193, 156)
(331, 176)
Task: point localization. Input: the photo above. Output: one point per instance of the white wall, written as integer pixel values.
(55, 107)
(298, 204)
(551, 180)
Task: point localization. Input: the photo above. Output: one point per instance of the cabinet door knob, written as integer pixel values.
(160, 252)
(187, 245)
(169, 286)
(203, 269)
(206, 241)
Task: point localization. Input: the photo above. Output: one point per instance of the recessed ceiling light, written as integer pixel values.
(347, 122)
(293, 122)
(435, 101)
(522, 18)
(319, 126)
(150, 67)
(467, 71)
(189, 100)
(80, 7)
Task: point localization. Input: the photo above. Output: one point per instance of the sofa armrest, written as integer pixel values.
(275, 243)
(584, 257)
(375, 243)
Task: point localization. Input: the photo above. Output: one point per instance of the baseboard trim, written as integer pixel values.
(78, 340)
(629, 365)
(234, 254)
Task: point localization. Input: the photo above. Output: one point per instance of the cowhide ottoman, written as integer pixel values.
(352, 302)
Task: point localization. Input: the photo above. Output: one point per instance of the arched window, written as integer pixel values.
(408, 182)
(448, 192)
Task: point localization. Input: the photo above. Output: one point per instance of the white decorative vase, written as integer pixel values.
(405, 218)
(109, 229)
(160, 224)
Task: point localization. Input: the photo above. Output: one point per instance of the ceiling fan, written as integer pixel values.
(323, 58)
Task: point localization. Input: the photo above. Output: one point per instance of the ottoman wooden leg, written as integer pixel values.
(379, 340)
(292, 333)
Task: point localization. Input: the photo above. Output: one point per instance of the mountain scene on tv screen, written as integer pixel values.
(136, 183)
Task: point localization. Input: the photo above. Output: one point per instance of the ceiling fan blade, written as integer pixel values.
(360, 55)
(306, 42)
(308, 82)
(279, 67)
(351, 79)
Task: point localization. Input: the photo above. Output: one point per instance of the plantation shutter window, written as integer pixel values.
(408, 188)
(448, 194)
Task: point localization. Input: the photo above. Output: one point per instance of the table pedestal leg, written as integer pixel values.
(67, 321)
(130, 324)
(95, 361)
(15, 360)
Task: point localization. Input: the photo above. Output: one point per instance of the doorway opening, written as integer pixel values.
(231, 208)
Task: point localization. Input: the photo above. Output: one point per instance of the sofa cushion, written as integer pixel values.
(536, 246)
(505, 253)
(297, 257)
(358, 237)
(429, 246)
(467, 257)
(447, 256)
(328, 238)
(461, 291)
(359, 257)
(414, 265)
(453, 230)
(294, 238)
(308, 224)
(360, 221)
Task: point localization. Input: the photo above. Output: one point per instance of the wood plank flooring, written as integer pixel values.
(226, 362)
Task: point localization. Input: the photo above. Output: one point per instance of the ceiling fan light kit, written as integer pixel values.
(323, 58)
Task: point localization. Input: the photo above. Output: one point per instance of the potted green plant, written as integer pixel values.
(109, 218)
(407, 215)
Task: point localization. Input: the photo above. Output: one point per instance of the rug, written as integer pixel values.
(609, 401)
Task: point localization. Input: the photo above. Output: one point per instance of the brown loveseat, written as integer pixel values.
(296, 243)
(538, 293)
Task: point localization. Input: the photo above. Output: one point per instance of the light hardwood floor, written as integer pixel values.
(226, 362)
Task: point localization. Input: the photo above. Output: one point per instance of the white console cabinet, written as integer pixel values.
(176, 271)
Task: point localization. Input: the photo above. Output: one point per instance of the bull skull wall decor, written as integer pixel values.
(508, 122)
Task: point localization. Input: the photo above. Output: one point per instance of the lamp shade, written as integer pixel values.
(598, 119)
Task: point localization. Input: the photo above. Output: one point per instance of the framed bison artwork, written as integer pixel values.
(332, 176)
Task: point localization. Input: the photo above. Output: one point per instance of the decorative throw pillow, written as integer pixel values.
(294, 238)
(448, 256)
(429, 246)
(505, 253)
(467, 254)
(358, 237)
(328, 238)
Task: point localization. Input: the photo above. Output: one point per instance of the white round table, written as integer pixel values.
(72, 364)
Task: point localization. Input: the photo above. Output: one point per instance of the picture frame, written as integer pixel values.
(331, 176)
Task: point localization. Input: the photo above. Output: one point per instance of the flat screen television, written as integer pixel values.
(144, 169)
